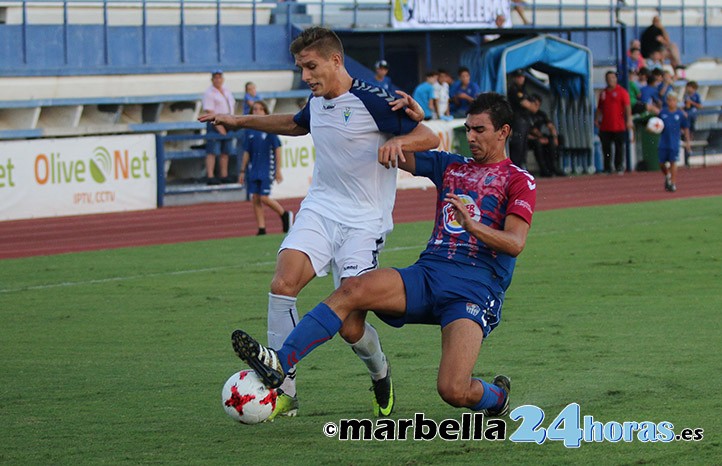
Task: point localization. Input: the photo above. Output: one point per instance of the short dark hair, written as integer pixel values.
(693, 84)
(496, 105)
(323, 40)
(462, 69)
(610, 72)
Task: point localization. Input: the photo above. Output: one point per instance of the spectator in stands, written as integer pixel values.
(463, 92)
(614, 119)
(666, 87)
(692, 103)
(424, 95)
(655, 61)
(544, 140)
(635, 93)
(218, 100)
(261, 166)
(656, 39)
(344, 219)
(636, 61)
(520, 101)
(634, 55)
(250, 97)
(381, 78)
(675, 127)
(649, 94)
(441, 93)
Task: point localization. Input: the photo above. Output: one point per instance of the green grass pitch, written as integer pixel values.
(118, 357)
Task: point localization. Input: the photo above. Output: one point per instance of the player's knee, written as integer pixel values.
(284, 285)
(352, 291)
(453, 394)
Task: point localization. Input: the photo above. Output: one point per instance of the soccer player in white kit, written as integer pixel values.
(346, 215)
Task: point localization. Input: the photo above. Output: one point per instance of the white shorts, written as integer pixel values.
(346, 251)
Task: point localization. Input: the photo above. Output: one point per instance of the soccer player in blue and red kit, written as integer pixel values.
(483, 215)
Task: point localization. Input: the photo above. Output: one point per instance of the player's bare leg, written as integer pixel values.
(460, 345)
(258, 212)
(223, 167)
(210, 167)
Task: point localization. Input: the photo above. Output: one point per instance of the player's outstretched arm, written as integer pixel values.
(276, 124)
(511, 240)
(392, 153)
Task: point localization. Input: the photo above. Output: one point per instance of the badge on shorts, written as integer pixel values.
(473, 309)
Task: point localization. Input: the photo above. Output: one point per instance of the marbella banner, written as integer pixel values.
(450, 14)
(299, 156)
(74, 176)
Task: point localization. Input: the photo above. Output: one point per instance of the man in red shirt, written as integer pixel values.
(613, 118)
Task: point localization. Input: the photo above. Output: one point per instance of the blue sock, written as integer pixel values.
(316, 327)
(493, 397)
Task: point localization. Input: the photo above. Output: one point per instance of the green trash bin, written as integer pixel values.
(649, 143)
(461, 145)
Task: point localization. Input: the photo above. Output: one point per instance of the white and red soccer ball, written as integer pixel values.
(655, 125)
(246, 399)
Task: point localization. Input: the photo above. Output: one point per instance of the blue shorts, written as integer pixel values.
(262, 187)
(218, 146)
(439, 292)
(668, 155)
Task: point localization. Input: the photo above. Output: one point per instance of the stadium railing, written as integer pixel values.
(127, 34)
(150, 120)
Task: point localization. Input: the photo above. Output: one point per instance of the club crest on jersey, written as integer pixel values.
(346, 115)
(489, 179)
(450, 223)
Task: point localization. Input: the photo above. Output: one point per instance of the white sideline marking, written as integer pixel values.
(128, 277)
(158, 274)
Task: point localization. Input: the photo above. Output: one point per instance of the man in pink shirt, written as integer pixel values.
(218, 100)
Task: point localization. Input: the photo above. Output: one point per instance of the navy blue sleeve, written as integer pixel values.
(432, 164)
(275, 141)
(247, 141)
(376, 100)
(683, 120)
(303, 117)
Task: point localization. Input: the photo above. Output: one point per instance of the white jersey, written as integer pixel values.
(349, 186)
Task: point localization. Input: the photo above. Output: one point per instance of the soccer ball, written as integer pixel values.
(246, 399)
(655, 125)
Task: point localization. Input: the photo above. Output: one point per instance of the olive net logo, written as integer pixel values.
(100, 164)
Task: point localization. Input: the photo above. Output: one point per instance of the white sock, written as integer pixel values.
(282, 318)
(368, 349)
